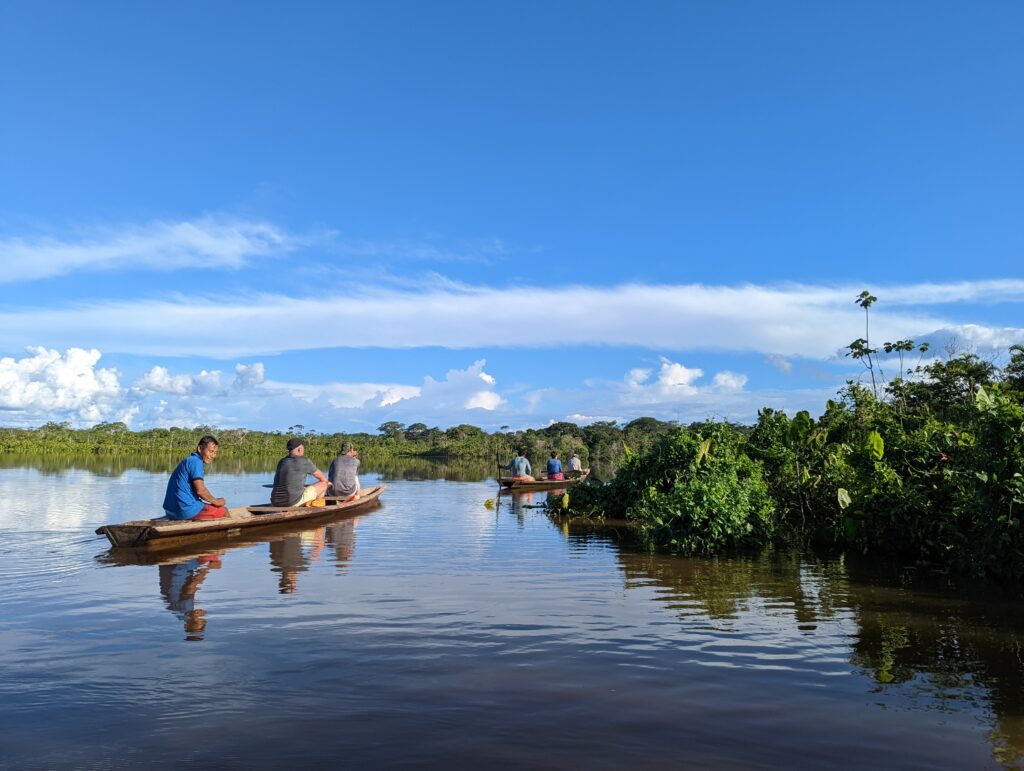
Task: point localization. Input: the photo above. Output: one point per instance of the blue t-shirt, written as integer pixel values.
(554, 466)
(181, 502)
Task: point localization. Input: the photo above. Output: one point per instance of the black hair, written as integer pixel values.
(208, 439)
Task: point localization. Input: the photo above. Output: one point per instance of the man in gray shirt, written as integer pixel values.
(520, 467)
(343, 474)
(290, 488)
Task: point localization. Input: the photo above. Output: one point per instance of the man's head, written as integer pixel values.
(207, 448)
(348, 450)
(296, 446)
(522, 451)
(554, 454)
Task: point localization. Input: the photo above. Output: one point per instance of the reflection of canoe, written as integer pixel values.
(160, 533)
(541, 484)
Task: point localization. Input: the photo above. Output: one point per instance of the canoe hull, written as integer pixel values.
(160, 533)
(541, 484)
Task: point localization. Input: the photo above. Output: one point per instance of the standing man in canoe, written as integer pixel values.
(521, 468)
(187, 496)
(290, 488)
(343, 474)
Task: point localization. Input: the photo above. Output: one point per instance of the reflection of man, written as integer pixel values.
(344, 474)
(179, 583)
(342, 536)
(290, 488)
(187, 496)
(288, 556)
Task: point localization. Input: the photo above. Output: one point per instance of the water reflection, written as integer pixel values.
(183, 570)
(501, 621)
(179, 582)
(294, 554)
(413, 469)
(922, 646)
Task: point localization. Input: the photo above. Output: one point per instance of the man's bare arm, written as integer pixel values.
(203, 494)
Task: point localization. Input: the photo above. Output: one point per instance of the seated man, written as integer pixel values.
(555, 467)
(343, 474)
(187, 496)
(521, 468)
(290, 488)
(575, 466)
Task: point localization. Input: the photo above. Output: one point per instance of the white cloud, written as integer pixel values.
(637, 376)
(584, 420)
(48, 385)
(248, 376)
(675, 379)
(205, 383)
(443, 402)
(484, 400)
(974, 337)
(779, 320)
(781, 363)
(729, 381)
(205, 243)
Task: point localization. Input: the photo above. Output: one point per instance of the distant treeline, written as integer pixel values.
(602, 444)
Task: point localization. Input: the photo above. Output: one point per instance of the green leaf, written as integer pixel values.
(800, 427)
(983, 400)
(702, 451)
(874, 445)
(844, 498)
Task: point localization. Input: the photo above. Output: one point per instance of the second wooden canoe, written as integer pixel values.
(518, 485)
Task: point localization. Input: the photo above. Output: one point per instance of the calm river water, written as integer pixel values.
(435, 631)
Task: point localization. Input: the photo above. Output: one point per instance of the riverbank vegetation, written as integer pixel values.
(927, 467)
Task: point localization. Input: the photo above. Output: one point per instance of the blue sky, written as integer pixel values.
(339, 214)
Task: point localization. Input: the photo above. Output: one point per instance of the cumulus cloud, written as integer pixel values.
(784, 320)
(470, 388)
(781, 363)
(204, 243)
(60, 386)
(677, 387)
(205, 383)
(974, 337)
(729, 381)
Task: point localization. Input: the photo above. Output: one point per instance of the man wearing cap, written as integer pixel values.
(575, 466)
(290, 488)
(343, 474)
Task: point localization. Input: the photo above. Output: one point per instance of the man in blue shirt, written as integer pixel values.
(555, 467)
(187, 496)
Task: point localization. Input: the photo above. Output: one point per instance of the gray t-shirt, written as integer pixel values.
(343, 475)
(290, 480)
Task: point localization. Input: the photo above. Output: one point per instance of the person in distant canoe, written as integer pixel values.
(290, 488)
(521, 468)
(187, 496)
(555, 467)
(343, 474)
(575, 466)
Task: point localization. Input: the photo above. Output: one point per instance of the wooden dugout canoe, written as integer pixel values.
(154, 533)
(516, 485)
